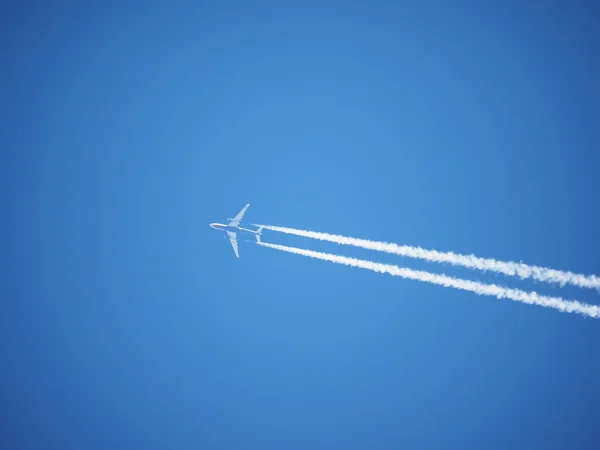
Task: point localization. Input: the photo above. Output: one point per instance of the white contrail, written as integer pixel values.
(493, 290)
(471, 261)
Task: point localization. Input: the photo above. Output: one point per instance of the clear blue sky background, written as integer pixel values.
(127, 323)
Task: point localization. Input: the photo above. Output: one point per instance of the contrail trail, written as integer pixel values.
(493, 290)
(471, 261)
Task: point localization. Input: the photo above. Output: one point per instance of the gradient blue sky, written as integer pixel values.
(127, 323)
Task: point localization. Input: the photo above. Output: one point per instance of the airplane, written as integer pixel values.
(233, 227)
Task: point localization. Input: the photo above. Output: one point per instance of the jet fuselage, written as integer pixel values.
(223, 227)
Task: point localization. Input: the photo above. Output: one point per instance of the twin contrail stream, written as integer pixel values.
(443, 280)
(471, 261)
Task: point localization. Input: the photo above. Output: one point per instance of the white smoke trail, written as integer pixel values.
(493, 290)
(471, 261)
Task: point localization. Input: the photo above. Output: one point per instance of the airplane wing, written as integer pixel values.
(234, 244)
(237, 219)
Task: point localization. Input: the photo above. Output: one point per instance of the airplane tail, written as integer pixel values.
(258, 233)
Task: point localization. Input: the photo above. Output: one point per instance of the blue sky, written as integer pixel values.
(128, 323)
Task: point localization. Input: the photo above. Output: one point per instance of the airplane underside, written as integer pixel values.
(233, 229)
